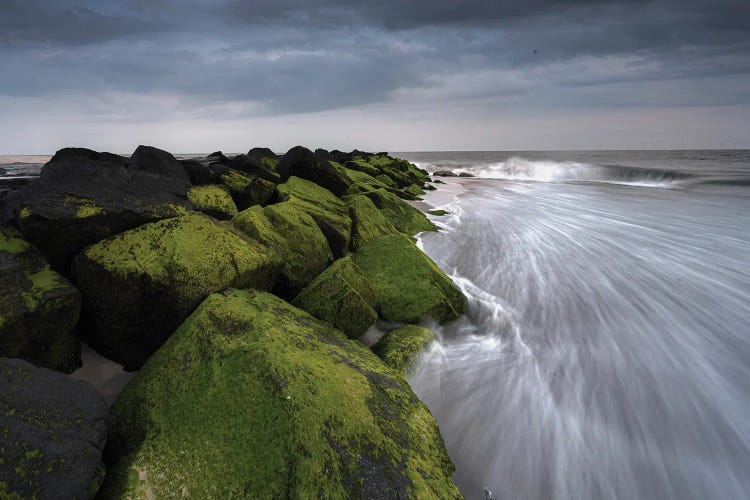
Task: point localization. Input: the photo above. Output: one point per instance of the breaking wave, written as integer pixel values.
(521, 169)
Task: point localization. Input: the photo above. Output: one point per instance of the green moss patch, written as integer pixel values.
(213, 200)
(254, 398)
(342, 297)
(368, 223)
(400, 348)
(328, 211)
(247, 190)
(294, 235)
(408, 285)
(403, 216)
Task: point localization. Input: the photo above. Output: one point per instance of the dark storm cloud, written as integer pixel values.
(311, 55)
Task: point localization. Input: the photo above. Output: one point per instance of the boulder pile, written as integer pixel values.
(237, 287)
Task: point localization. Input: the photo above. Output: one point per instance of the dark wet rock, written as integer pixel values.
(218, 157)
(38, 308)
(444, 173)
(272, 403)
(140, 285)
(91, 155)
(264, 155)
(157, 161)
(255, 168)
(202, 172)
(466, 174)
(53, 432)
(78, 201)
(301, 162)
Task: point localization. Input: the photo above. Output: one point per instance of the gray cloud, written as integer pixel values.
(277, 57)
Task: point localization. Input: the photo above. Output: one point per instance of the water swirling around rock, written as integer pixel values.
(606, 352)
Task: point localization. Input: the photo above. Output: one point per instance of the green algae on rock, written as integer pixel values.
(246, 189)
(404, 217)
(401, 347)
(438, 213)
(213, 200)
(328, 211)
(254, 398)
(294, 235)
(52, 433)
(368, 223)
(141, 284)
(39, 308)
(342, 297)
(413, 192)
(408, 285)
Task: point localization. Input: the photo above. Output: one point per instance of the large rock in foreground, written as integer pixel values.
(342, 297)
(78, 200)
(53, 432)
(38, 308)
(254, 398)
(408, 285)
(140, 285)
(368, 222)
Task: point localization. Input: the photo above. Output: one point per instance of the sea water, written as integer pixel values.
(606, 348)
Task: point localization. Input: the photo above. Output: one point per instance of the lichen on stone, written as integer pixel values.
(213, 200)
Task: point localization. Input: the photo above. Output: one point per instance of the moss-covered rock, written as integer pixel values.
(387, 181)
(404, 217)
(362, 182)
(328, 211)
(413, 192)
(362, 166)
(79, 200)
(265, 156)
(303, 163)
(213, 200)
(368, 222)
(438, 213)
(341, 296)
(246, 189)
(295, 236)
(140, 285)
(408, 285)
(38, 308)
(255, 168)
(400, 348)
(254, 398)
(52, 433)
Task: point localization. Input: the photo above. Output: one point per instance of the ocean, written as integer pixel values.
(606, 348)
(606, 351)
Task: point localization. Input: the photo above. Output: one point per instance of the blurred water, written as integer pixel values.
(606, 352)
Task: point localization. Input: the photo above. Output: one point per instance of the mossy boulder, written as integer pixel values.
(342, 297)
(140, 285)
(39, 308)
(157, 161)
(52, 433)
(255, 168)
(362, 182)
(400, 348)
(368, 222)
(303, 163)
(362, 166)
(328, 211)
(413, 192)
(404, 217)
(265, 156)
(254, 398)
(387, 181)
(247, 190)
(295, 236)
(408, 285)
(78, 201)
(438, 213)
(213, 200)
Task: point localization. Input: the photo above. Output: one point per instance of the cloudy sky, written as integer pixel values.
(199, 75)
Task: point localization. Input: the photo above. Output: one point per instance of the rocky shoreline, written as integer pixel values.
(237, 288)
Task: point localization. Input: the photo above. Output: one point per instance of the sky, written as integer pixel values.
(196, 75)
